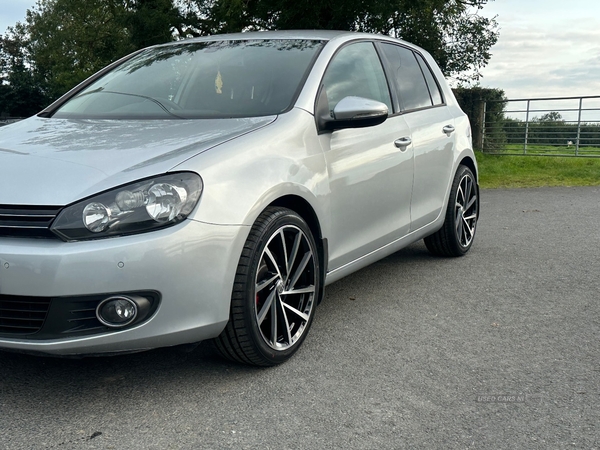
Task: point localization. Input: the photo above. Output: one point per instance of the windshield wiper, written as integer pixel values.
(101, 90)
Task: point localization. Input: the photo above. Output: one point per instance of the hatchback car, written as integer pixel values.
(211, 188)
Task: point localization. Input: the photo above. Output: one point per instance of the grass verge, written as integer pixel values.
(497, 171)
(536, 149)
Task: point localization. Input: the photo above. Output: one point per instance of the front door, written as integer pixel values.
(370, 177)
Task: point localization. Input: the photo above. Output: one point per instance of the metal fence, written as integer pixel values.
(561, 126)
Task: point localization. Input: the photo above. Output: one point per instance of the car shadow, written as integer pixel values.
(55, 380)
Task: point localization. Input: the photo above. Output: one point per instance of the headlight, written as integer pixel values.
(133, 208)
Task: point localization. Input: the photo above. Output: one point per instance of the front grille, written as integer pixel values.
(27, 221)
(22, 315)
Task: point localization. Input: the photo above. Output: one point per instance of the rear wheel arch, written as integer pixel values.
(468, 161)
(456, 235)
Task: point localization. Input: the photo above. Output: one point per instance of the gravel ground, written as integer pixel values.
(499, 349)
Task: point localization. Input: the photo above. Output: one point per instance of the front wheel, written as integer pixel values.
(275, 291)
(456, 235)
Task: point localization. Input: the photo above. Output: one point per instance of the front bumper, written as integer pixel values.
(191, 265)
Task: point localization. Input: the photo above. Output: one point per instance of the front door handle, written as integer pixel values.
(448, 129)
(403, 143)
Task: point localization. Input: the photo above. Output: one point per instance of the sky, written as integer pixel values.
(547, 48)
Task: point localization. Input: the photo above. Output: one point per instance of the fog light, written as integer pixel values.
(117, 311)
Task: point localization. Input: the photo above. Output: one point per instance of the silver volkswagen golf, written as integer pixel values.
(211, 188)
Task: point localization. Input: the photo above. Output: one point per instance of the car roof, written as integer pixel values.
(281, 34)
(322, 35)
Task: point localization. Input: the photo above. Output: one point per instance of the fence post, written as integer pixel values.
(578, 127)
(483, 126)
(526, 128)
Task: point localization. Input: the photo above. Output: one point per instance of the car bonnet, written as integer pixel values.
(59, 161)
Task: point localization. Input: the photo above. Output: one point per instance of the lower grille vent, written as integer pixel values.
(22, 315)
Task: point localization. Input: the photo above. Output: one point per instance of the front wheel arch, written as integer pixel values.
(304, 209)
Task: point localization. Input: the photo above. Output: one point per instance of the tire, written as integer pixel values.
(275, 291)
(456, 236)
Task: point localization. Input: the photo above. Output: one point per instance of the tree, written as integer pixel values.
(20, 91)
(69, 40)
(485, 108)
(151, 22)
(451, 30)
(551, 129)
(552, 116)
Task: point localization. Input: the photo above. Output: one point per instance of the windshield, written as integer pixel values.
(199, 80)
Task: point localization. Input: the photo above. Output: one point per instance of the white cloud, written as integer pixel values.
(545, 49)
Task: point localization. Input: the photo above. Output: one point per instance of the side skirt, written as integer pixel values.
(384, 251)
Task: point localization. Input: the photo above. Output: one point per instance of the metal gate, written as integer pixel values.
(561, 126)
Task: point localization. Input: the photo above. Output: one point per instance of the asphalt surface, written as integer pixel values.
(499, 349)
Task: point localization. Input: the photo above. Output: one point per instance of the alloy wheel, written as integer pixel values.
(285, 287)
(466, 207)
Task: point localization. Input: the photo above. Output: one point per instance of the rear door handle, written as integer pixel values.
(403, 143)
(448, 129)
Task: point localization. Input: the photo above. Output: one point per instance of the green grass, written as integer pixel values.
(497, 171)
(517, 149)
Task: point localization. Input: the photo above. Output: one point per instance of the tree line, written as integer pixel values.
(62, 42)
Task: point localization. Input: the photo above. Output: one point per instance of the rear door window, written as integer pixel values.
(410, 82)
(434, 89)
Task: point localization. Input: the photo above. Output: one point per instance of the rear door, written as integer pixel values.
(431, 129)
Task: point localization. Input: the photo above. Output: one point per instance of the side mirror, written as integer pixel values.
(355, 112)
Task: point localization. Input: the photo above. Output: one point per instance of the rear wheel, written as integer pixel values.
(275, 291)
(456, 235)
